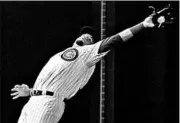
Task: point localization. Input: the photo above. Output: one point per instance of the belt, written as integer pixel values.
(40, 92)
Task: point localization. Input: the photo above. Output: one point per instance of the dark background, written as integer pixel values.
(146, 68)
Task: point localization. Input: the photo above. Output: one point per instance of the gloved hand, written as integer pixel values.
(162, 17)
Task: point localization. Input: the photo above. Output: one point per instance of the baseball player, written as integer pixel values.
(65, 73)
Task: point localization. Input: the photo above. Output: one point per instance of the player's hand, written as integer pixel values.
(159, 18)
(20, 91)
(148, 22)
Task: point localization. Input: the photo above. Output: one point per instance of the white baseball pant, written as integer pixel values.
(42, 109)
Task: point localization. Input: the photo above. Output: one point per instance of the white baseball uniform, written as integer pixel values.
(64, 74)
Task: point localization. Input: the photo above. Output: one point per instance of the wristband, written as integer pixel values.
(126, 34)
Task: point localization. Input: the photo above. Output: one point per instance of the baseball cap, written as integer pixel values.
(87, 29)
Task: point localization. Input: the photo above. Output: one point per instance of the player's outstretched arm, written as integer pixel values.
(130, 32)
(157, 18)
(126, 34)
(20, 91)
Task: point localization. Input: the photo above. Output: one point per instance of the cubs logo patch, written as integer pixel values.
(70, 54)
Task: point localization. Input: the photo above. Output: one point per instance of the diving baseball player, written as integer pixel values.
(65, 73)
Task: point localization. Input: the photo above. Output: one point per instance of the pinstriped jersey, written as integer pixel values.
(68, 71)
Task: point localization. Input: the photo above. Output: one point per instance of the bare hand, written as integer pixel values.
(20, 91)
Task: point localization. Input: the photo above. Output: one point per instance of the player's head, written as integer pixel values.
(84, 39)
(86, 36)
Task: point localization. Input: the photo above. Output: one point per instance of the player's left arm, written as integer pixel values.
(157, 18)
(125, 35)
(108, 43)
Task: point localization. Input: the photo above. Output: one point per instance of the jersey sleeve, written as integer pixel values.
(95, 56)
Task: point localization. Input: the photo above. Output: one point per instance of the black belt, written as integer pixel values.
(40, 92)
